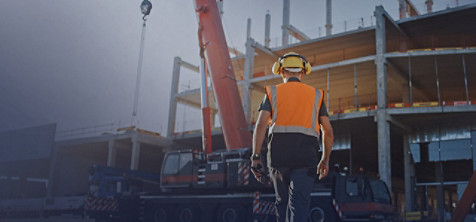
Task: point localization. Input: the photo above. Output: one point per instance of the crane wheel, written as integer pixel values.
(319, 214)
(161, 214)
(231, 213)
(188, 213)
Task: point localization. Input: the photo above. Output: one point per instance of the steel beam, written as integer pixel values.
(430, 53)
(297, 34)
(409, 171)
(395, 25)
(261, 48)
(465, 81)
(328, 17)
(437, 80)
(189, 66)
(355, 87)
(111, 153)
(248, 28)
(473, 146)
(248, 75)
(410, 81)
(286, 15)
(425, 110)
(135, 156)
(267, 29)
(189, 92)
(384, 154)
(343, 63)
(355, 115)
(328, 89)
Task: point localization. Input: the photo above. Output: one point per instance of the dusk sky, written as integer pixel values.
(74, 62)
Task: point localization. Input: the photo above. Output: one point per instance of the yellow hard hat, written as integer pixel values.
(291, 60)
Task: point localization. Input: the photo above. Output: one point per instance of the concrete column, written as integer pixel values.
(328, 17)
(267, 30)
(402, 8)
(328, 103)
(248, 75)
(409, 171)
(111, 154)
(465, 81)
(437, 81)
(284, 27)
(173, 94)
(383, 127)
(429, 6)
(135, 151)
(440, 193)
(248, 28)
(410, 82)
(473, 146)
(356, 104)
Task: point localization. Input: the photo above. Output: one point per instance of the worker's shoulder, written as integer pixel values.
(309, 87)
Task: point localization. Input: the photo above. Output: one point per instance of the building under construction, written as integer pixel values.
(401, 95)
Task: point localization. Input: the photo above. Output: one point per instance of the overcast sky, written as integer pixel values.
(74, 62)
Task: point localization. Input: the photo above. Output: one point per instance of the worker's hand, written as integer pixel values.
(257, 169)
(323, 169)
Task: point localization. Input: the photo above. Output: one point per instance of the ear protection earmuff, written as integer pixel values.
(277, 67)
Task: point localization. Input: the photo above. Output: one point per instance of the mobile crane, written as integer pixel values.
(200, 185)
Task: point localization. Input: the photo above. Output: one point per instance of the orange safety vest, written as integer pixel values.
(295, 108)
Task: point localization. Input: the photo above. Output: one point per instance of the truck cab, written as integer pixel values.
(352, 198)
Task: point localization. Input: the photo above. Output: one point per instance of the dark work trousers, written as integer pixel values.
(293, 193)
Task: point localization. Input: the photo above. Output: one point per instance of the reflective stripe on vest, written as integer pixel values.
(301, 111)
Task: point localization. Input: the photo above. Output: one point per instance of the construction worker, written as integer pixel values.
(296, 115)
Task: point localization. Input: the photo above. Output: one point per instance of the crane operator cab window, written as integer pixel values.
(177, 170)
(178, 163)
(171, 164)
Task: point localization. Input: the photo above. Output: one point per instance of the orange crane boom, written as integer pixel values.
(212, 41)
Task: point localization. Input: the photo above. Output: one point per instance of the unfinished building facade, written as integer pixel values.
(401, 97)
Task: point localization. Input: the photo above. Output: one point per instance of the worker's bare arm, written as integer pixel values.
(327, 140)
(260, 130)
